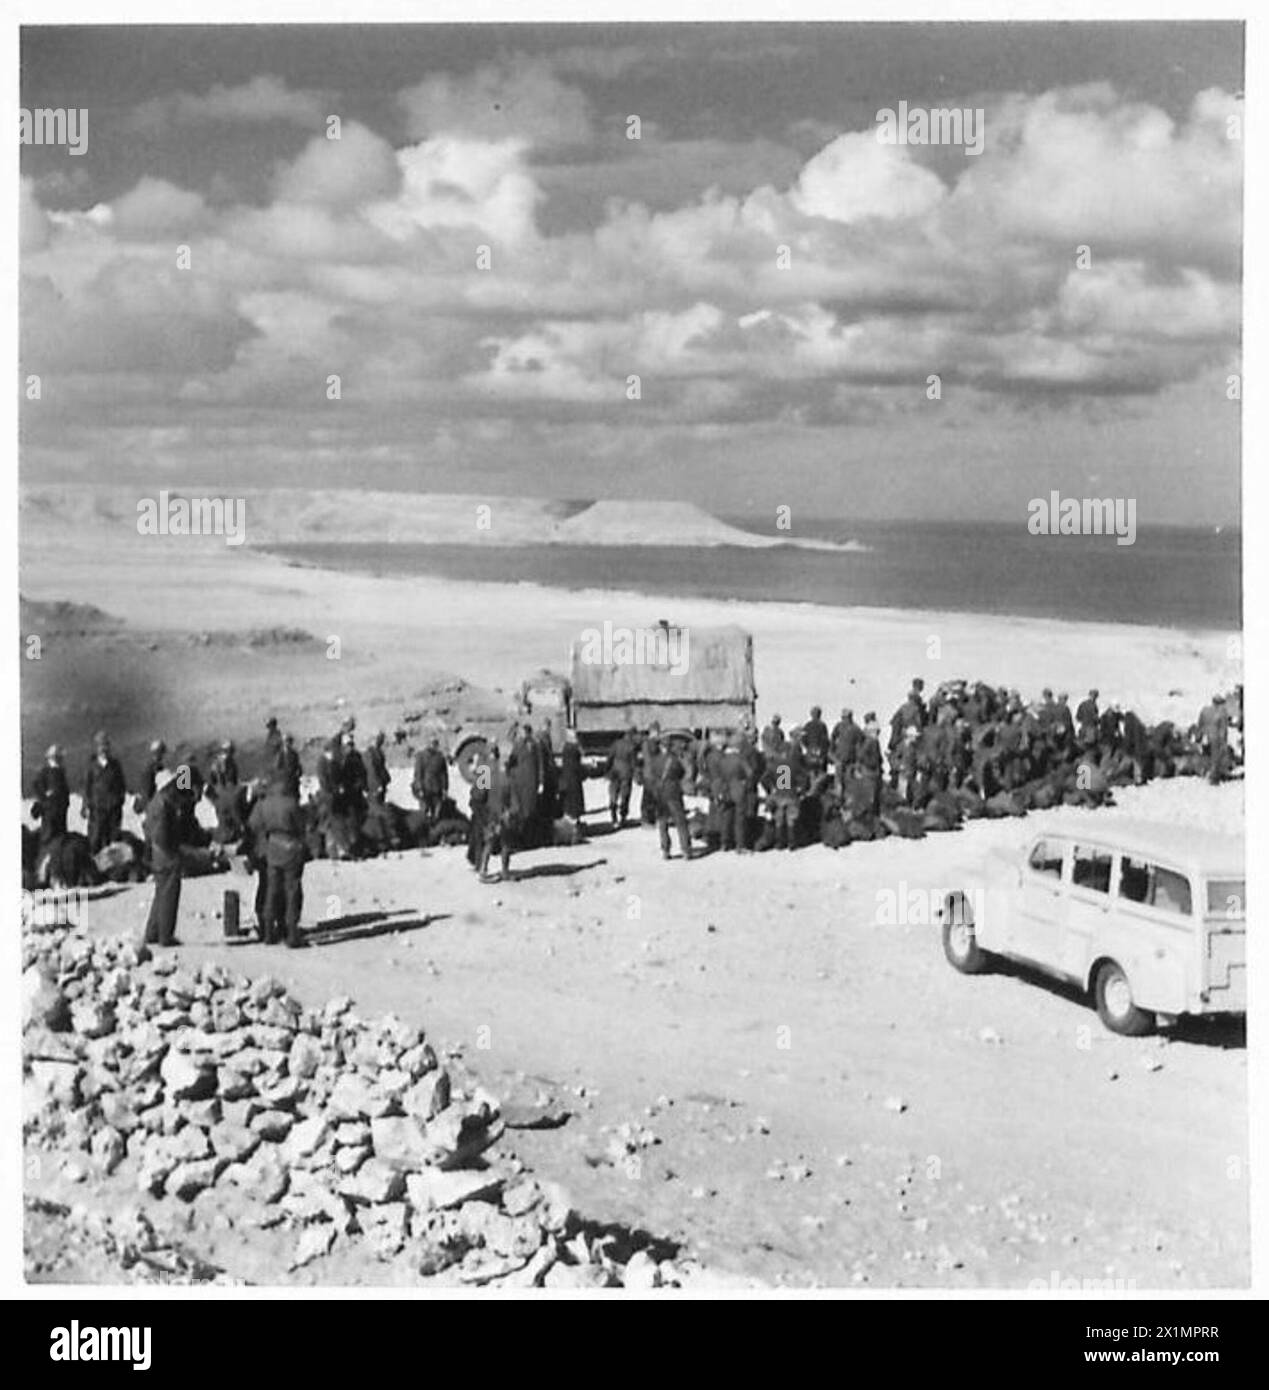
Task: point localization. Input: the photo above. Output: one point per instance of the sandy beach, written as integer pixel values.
(376, 643)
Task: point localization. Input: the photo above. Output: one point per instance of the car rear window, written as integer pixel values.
(1154, 886)
(1091, 869)
(1226, 897)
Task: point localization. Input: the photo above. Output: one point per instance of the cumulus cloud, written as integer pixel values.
(791, 296)
(520, 99)
(155, 207)
(358, 167)
(856, 177)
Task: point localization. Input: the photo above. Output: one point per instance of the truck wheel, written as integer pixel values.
(959, 943)
(1113, 996)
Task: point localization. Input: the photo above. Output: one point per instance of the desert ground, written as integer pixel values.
(754, 1063)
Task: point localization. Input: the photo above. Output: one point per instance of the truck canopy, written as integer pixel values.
(689, 676)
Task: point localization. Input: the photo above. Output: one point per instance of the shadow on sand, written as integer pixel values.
(357, 925)
(1227, 1032)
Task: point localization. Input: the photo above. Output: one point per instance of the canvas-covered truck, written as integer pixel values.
(692, 679)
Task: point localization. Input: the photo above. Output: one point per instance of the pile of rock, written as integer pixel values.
(190, 1082)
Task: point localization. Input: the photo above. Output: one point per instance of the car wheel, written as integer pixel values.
(1113, 997)
(960, 945)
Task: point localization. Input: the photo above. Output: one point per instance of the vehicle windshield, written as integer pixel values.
(1227, 897)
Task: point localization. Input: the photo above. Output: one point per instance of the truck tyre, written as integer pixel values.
(959, 943)
(1113, 997)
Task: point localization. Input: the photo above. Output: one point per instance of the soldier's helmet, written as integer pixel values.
(1218, 699)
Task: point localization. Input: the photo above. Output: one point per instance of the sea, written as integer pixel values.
(1172, 577)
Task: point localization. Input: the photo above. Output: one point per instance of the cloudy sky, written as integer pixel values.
(766, 377)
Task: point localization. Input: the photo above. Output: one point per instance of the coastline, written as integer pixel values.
(495, 633)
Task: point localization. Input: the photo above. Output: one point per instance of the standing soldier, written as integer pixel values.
(52, 796)
(572, 779)
(104, 795)
(431, 779)
(1088, 720)
(620, 769)
(870, 763)
(329, 774)
(278, 825)
(773, 736)
(844, 742)
(1214, 730)
(272, 743)
(156, 763)
(524, 771)
(815, 743)
(1108, 730)
(379, 779)
(500, 818)
(224, 767)
(550, 776)
(669, 802)
(353, 781)
(478, 803)
(650, 756)
(289, 764)
(163, 820)
(735, 776)
(785, 781)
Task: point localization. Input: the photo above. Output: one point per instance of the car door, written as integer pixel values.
(1037, 924)
(1088, 909)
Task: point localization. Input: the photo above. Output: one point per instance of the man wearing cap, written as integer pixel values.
(353, 780)
(1088, 720)
(773, 736)
(289, 764)
(52, 796)
(277, 824)
(272, 742)
(845, 740)
(223, 771)
(379, 779)
(651, 756)
(669, 801)
(431, 779)
(1214, 734)
(620, 771)
(815, 742)
(163, 835)
(104, 794)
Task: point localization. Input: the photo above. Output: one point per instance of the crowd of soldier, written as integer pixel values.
(967, 750)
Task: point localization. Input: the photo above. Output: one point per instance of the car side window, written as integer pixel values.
(1153, 886)
(1134, 880)
(1170, 892)
(1046, 858)
(1091, 869)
